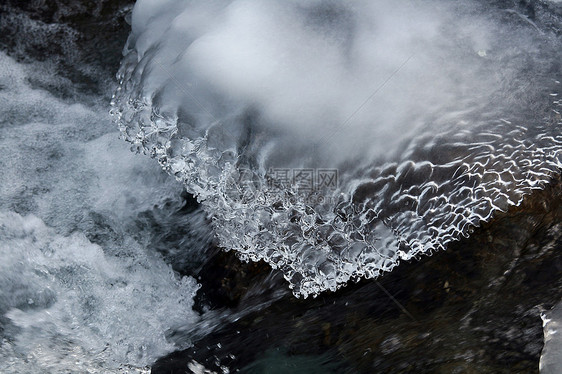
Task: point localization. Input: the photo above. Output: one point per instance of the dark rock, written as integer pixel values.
(225, 280)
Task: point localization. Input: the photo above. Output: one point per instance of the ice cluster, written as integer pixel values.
(431, 115)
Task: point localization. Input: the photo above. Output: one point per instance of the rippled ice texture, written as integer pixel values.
(81, 290)
(435, 114)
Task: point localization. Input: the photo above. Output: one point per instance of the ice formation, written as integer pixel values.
(434, 115)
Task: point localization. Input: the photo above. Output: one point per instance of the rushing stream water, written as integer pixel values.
(332, 140)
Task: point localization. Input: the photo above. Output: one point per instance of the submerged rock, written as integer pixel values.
(474, 308)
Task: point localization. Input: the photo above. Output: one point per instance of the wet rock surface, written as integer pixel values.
(472, 309)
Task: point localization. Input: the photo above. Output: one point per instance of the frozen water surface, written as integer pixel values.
(435, 116)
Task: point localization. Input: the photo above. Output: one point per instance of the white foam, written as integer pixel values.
(73, 308)
(67, 304)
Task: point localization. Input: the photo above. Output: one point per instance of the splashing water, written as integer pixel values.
(80, 288)
(69, 305)
(432, 116)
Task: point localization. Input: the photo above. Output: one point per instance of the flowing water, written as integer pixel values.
(74, 261)
(330, 139)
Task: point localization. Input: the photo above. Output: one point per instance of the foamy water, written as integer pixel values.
(81, 288)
